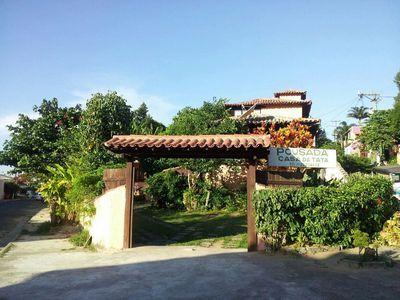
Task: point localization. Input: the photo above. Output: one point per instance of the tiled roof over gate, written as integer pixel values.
(222, 141)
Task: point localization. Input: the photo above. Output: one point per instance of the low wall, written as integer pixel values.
(107, 226)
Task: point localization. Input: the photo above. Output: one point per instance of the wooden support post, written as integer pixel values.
(251, 224)
(128, 218)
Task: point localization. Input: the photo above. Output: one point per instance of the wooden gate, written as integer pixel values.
(116, 177)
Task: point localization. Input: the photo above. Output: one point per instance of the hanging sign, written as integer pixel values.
(302, 157)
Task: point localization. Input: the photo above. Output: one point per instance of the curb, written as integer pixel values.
(6, 249)
(14, 234)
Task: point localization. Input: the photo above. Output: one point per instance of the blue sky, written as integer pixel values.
(172, 54)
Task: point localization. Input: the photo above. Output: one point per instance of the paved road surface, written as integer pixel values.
(50, 268)
(13, 214)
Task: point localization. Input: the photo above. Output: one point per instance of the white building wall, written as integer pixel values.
(107, 226)
(291, 97)
(282, 112)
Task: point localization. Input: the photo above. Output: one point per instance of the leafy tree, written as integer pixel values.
(378, 132)
(359, 113)
(143, 123)
(340, 132)
(211, 118)
(396, 109)
(321, 138)
(38, 142)
(105, 115)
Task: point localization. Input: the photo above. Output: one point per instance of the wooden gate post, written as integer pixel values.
(128, 218)
(251, 224)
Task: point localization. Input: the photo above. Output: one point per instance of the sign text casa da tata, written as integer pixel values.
(302, 157)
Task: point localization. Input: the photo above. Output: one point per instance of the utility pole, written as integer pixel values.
(335, 125)
(374, 98)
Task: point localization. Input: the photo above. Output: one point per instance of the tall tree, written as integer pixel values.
(359, 113)
(379, 132)
(105, 115)
(143, 123)
(396, 110)
(41, 141)
(340, 132)
(210, 118)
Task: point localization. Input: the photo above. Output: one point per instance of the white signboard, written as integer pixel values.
(302, 157)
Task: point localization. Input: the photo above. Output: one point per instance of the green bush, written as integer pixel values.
(353, 164)
(165, 190)
(325, 214)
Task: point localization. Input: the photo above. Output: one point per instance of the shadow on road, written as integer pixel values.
(216, 276)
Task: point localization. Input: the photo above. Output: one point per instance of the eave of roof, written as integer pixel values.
(195, 146)
(270, 102)
(272, 119)
(290, 93)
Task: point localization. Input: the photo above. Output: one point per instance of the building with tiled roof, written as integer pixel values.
(285, 107)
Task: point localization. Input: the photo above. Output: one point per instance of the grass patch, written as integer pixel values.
(198, 228)
(81, 239)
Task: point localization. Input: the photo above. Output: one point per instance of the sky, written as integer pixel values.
(172, 54)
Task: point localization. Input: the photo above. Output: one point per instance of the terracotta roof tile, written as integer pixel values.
(290, 93)
(226, 141)
(269, 101)
(258, 119)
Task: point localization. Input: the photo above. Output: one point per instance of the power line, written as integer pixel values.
(374, 98)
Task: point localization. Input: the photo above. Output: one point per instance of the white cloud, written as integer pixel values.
(160, 108)
(7, 120)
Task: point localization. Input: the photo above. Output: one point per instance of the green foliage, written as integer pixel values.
(165, 190)
(70, 192)
(85, 187)
(54, 191)
(378, 133)
(205, 196)
(354, 163)
(38, 142)
(321, 138)
(395, 115)
(340, 132)
(143, 123)
(81, 239)
(210, 118)
(351, 163)
(105, 115)
(11, 189)
(325, 214)
(360, 239)
(358, 113)
(390, 234)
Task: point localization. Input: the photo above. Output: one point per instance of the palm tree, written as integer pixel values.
(340, 132)
(358, 113)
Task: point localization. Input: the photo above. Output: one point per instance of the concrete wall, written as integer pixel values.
(1, 189)
(107, 226)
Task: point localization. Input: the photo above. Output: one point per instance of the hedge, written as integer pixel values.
(325, 214)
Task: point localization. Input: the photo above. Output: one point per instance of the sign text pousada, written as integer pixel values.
(302, 157)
